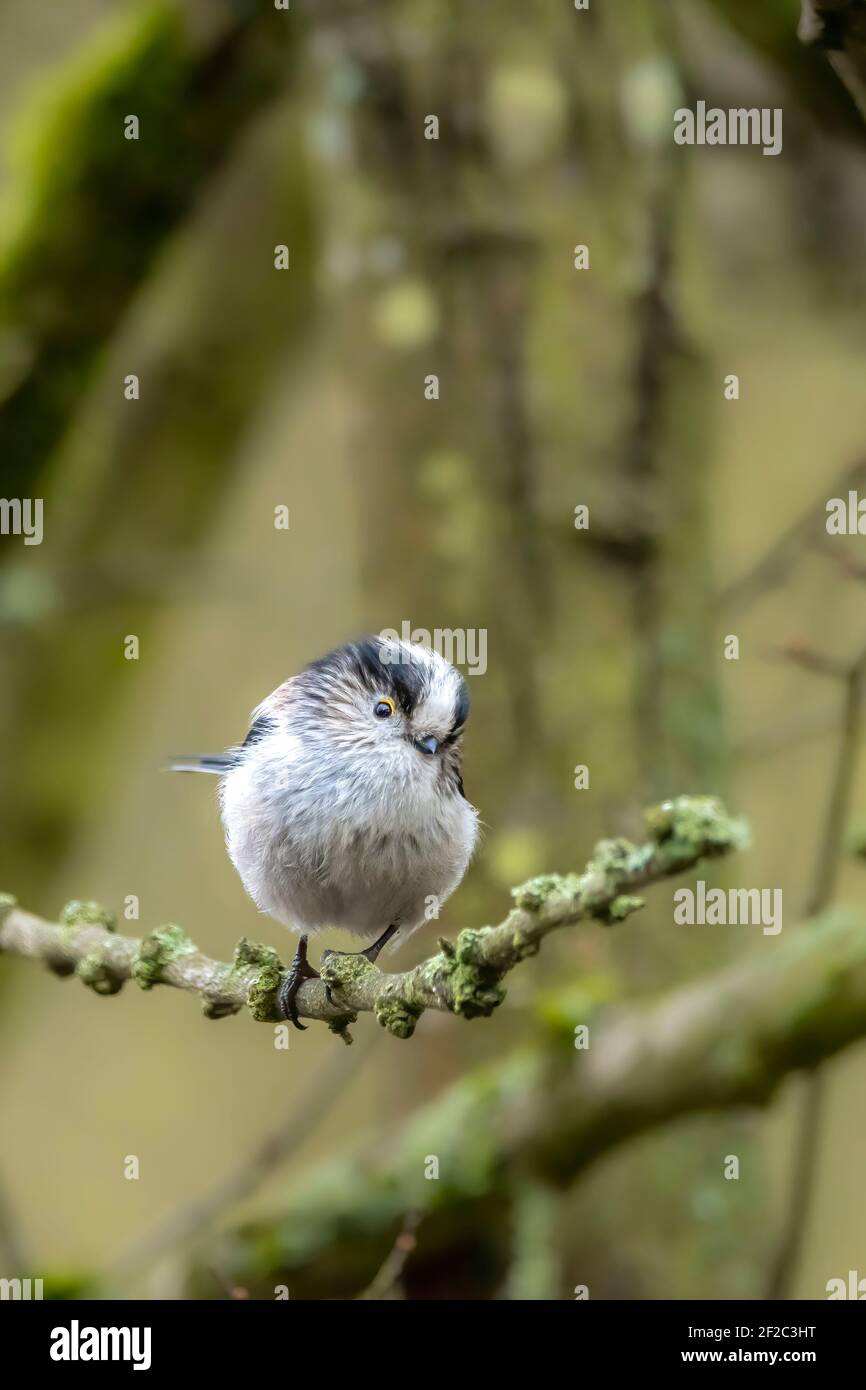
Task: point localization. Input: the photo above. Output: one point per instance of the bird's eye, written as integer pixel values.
(384, 707)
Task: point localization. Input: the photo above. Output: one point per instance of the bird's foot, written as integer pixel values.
(372, 952)
(299, 971)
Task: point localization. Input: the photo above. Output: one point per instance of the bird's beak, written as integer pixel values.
(428, 744)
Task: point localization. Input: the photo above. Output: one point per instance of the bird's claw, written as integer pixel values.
(299, 971)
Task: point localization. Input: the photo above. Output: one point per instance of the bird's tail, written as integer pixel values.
(218, 763)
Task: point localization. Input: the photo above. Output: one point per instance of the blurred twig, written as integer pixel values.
(387, 1279)
(800, 653)
(807, 532)
(771, 738)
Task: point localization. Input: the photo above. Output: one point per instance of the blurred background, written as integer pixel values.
(304, 388)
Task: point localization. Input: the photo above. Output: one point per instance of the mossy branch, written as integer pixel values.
(464, 977)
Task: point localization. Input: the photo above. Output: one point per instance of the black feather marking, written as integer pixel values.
(259, 730)
(461, 710)
(407, 682)
(404, 679)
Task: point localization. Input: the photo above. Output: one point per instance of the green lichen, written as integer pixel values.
(87, 914)
(476, 989)
(660, 820)
(622, 906)
(158, 950)
(397, 1016)
(684, 830)
(96, 972)
(532, 895)
(613, 864)
(344, 972)
(460, 974)
(249, 954)
(340, 1026)
(263, 988)
(523, 946)
(262, 997)
(76, 914)
(689, 828)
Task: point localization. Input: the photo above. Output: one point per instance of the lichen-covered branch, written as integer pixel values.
(464, 977)
(839, 26)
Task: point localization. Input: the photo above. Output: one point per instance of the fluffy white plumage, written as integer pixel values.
(345, 805)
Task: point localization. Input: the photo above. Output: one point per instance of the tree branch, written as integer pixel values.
(807, 533)
(464, 977)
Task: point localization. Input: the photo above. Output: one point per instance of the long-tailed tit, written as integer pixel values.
(344, 806)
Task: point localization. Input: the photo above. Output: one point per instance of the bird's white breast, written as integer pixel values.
(324, 837)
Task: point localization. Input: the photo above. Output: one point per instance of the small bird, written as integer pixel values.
(344, 805)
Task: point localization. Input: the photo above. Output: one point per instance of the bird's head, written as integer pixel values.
(385, 692)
